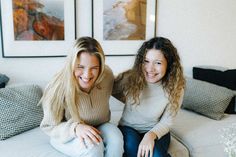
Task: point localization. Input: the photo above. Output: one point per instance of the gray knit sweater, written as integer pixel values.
(151, 113)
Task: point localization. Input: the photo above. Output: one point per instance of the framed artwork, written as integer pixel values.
(37, 28)
(121, 26)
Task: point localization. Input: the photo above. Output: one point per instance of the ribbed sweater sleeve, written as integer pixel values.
(63, 131)
(166, 120)
(163, 126)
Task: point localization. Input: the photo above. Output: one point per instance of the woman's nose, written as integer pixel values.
(87, 73)
(150, 67)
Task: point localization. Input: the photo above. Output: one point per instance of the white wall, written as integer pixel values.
(204, 32)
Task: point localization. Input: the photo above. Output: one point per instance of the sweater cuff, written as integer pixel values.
(160, 131)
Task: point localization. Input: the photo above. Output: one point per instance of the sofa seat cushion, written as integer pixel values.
(34, 143)
(200, 134)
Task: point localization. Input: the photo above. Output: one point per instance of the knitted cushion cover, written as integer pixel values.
(18, 109)
(206, 98)
(220, 76)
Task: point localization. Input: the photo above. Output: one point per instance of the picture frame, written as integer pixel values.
(113, 24)
(45, 28)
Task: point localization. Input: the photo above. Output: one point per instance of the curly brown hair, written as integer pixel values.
(173, 82)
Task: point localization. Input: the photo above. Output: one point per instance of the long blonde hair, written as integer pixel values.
(62, 91)
(173, 82)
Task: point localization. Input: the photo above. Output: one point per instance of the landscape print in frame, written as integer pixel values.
(121, 26)
(37, 28)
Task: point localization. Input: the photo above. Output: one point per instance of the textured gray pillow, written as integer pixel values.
(206, 98)
(18, 109)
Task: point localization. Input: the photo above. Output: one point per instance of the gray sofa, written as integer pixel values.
(195, 133)
(34, 143)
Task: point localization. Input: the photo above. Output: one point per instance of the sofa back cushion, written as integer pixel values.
(220, 76)
(206, 98)
(18, 109)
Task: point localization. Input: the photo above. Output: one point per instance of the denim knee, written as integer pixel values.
(74, 148)
(161, 146)
(96, 150)
(131, 141)
(113, 140)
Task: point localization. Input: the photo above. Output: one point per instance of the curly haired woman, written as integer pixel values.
(152, 91)
(76, 105)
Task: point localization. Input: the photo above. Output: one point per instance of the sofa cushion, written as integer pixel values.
(31, 143)
(206, 98)
(18, 109)
(3, 80)
(202, 135)
(35, 143)
(220, 76)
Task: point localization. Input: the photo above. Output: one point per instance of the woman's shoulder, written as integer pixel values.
(107, 69)
(108, 72)
(107, 76)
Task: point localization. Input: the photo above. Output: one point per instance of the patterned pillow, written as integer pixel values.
(206, 98)
(220, 76)
(18, 109)
(3, 80)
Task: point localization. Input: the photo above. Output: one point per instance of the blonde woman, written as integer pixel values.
(76, 105)
(152, 91)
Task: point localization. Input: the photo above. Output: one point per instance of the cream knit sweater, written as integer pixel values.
(93, 110)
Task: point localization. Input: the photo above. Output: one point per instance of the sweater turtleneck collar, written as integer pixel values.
(157, 84)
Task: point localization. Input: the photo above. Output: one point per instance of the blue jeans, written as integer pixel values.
(111, 146)
(132, 138)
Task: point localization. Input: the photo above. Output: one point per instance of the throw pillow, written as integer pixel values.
(3, 80)
(18, 109)
(206, 98)
(220, 76)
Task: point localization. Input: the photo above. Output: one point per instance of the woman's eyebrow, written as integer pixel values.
(153, 59)
(96, 66)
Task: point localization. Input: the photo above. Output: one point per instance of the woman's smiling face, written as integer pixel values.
(154, 66)
(87, 70)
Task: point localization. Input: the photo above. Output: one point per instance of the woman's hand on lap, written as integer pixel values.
(147, 144)
(88, 134)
